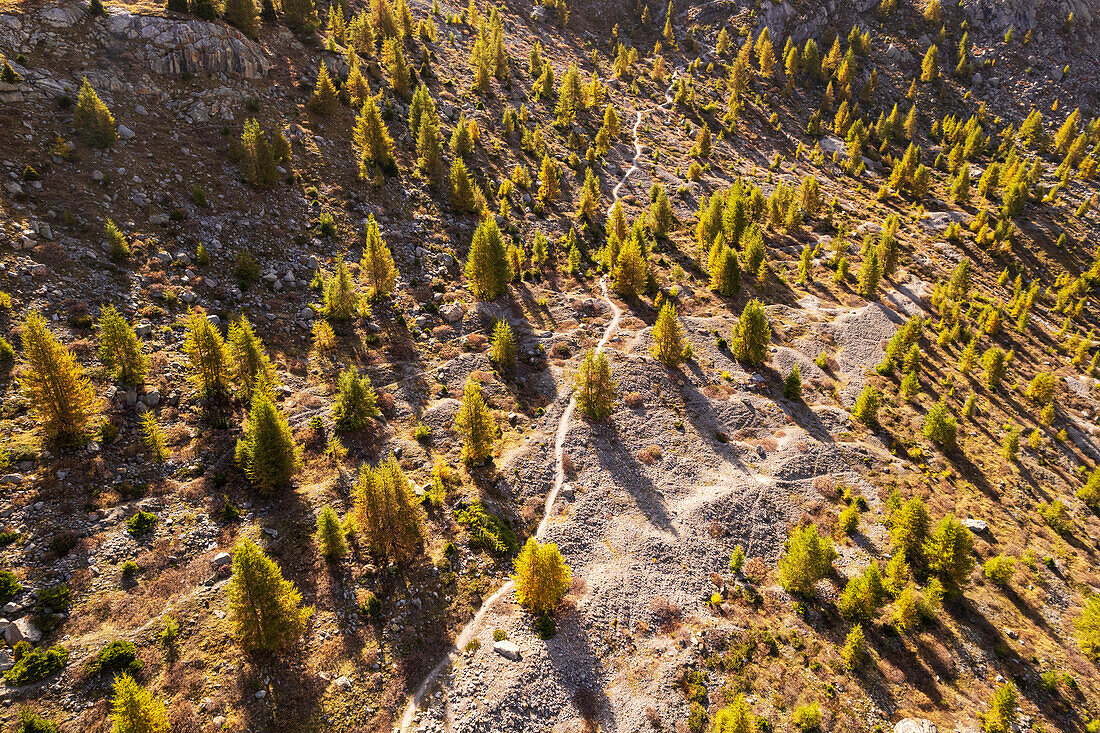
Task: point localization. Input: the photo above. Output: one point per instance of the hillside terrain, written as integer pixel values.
(550, 366)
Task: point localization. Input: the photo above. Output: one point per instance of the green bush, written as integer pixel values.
(9, 586)
(544, 627)
(806, 717)
(141, 523)
(486, 529)
(57, 598)
(32, 665)
(999, 569)
(118, 656)
(370, 604)
(246, 270)
(32, 722)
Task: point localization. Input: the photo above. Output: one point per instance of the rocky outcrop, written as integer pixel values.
(915, 725)
(171, 46)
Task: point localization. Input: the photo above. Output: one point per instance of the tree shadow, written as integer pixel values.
(578, 668)
(625, 470)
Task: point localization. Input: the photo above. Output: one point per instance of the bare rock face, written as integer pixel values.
(915, 725)
(171, 46)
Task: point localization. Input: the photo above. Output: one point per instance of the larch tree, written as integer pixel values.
(542, 576)
(266, 451)
(429, 148)
(465, 196)
(249, 363)
(120, 348)
(502, 346)
(487, 270)
(265, 609)
(93, 121)
(595, 387)
(589, 206)
(570, 97)
(725, 275)
(476, 424)
(372, 139)
(63, 401)
(242, 14)
(549, 179)
(205, 349)
(341, 298)
(324, 98)
(807, 559)
(300, 14)
(930, 67)
(135, 710)
(377, 272)
(949, 552)
(331, 542)
(661, 217)
(385, 513)
(631, 273)
(356, 402)
(258, 160)
(669, 345)
(397, 68)
(752, 334)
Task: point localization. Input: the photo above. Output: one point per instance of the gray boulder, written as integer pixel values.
(915, 725)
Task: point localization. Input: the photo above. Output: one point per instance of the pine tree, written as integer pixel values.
(995, 362)
(570, 97)
(341, 298)
(487, 270)
(589, 206)
(854, 652)
(669, 344)
(808, 558)
(330, 535)
(356, 402)
(385, 512)
(909, 525)
(735, 717)
(476, 423)
(266, 451)
(667, 33)
(62, 399)
(422, 104)
(752, 334)
(135, 710)
(462, 142)
(792, 385)
(631, 272)
(93, 121)
(765, 53)
(206, 351)
(324, 98)
(120, 349)
(249, 363)
(337, 26)
(372, 139)
(377, 272)
(265, 609)
(939, 425)
(242, 14)
(594, 386)
(541, 576)
(464, 193)
(502, 348)
(357, 87)
(205, 9)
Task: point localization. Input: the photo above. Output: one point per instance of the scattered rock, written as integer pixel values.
(507, 649)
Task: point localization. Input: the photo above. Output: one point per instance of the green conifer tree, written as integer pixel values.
(385, 512)
(331, 542)
(242, 14)
(752, 334)
(266, 451)
(669, 345)
(476, 424)
(120, 349)
(249, 363)
(341, 298)
(377, 273)
(372, 139)
(265, 609)
(487, 270)
(502, 348)
(356, 402)
(135, 710)
(62, 399)
(594, 386)
(205, 349)
(93, 121)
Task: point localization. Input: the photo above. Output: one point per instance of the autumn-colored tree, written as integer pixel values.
(595, 387)
(502, 346)
(430, 149)
(92, 120)
(249, 363)
(372, 139)
(487, 270)
(549, 179)
(265, 609)
(464, 193)
(570, 97)
(385, 512)
(930, 68)
(669, 345)
(948, 552)
(205, 349)
(324, 98)
(631, 273)
(266, 451)
(135, 710)
(725, 275)
(541, 576)
(476, 424)
(120, 349)
(258, 160)
(589, 206)
(661, 217)
(397, 68)
(62, 399)
(377, 272)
